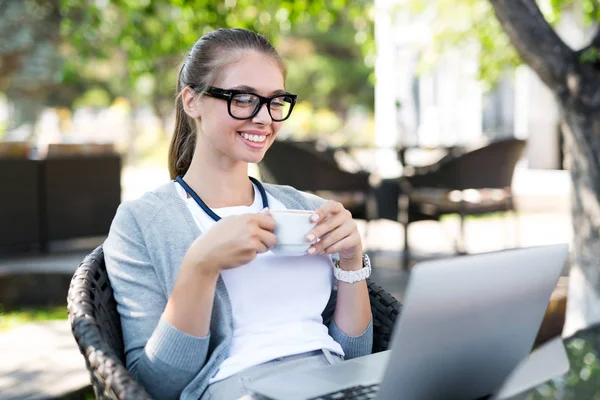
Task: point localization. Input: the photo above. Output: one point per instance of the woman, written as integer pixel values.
(205, 306)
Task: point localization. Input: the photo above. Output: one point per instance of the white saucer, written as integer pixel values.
(291, 249)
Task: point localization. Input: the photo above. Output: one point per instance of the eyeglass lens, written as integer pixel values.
(244, 105)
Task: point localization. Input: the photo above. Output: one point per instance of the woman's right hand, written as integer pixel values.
(232, 242)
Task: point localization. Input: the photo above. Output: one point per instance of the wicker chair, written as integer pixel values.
(487, 170)
(96, 326)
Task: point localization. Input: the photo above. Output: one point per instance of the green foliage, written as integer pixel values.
(591, 10)
(469, 24)
(94, 97)
(30, 62)
(146, 39)
(581, 382)
(13, 319)
(590, 56)
(329, 69)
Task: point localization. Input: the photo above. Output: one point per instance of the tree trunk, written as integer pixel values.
(30, 60)
(133, 131)
(576, 86)
(162, 116)
(583, 307)
(24, 115)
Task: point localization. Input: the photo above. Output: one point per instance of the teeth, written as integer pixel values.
(254, 138)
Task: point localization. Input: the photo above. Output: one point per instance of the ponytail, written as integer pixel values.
(183, 141)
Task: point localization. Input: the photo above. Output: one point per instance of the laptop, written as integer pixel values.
(467, 322)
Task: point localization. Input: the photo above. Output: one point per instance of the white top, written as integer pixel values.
(276, 300)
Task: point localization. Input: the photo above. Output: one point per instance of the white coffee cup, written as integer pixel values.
(291, 228)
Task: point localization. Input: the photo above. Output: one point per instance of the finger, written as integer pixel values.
(330, 207)
(259, 246)
(329, 224)
(314, 242)
(265, 221)
(268, 239)
(346, 243)
(335, 236)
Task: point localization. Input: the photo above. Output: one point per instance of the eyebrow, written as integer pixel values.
(251, 89)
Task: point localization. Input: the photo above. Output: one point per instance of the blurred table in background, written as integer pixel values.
(400, 160)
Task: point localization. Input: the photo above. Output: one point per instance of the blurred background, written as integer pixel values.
(415, 114)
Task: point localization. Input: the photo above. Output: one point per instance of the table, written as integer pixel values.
(583, 379)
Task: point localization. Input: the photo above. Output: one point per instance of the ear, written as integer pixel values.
(191, 103)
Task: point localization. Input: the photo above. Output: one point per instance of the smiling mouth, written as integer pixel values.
(254, 138)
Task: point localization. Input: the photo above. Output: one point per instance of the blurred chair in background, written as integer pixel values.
(305, 168)
(463, 182)
(72, 193)
(80, 195)
(473, 182)
(20, 217)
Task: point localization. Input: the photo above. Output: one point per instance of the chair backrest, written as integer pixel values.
(96, 325)
(385, 310)
(490, 166)
(20, 178)
(306, 168)
(84, 204)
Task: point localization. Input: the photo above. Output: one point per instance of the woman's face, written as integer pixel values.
(242, 140)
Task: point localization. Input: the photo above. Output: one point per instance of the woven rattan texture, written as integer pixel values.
(96, 326)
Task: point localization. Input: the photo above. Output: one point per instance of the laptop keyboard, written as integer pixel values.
(355, 393)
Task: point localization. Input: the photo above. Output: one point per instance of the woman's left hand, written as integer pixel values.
(337, 231)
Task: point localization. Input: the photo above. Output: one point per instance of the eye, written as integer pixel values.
(279, 102)
(244, 100)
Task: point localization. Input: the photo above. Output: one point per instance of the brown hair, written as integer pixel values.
(209, 54)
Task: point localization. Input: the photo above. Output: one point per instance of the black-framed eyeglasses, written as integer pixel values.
(242, 104)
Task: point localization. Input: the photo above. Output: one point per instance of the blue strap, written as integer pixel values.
(206, 209)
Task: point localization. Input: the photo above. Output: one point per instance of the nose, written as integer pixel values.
(262, 117)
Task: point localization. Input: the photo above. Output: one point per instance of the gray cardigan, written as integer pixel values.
(147, 241)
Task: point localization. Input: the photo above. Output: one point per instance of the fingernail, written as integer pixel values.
(314, 217)
(311, 250)
(310, 237)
